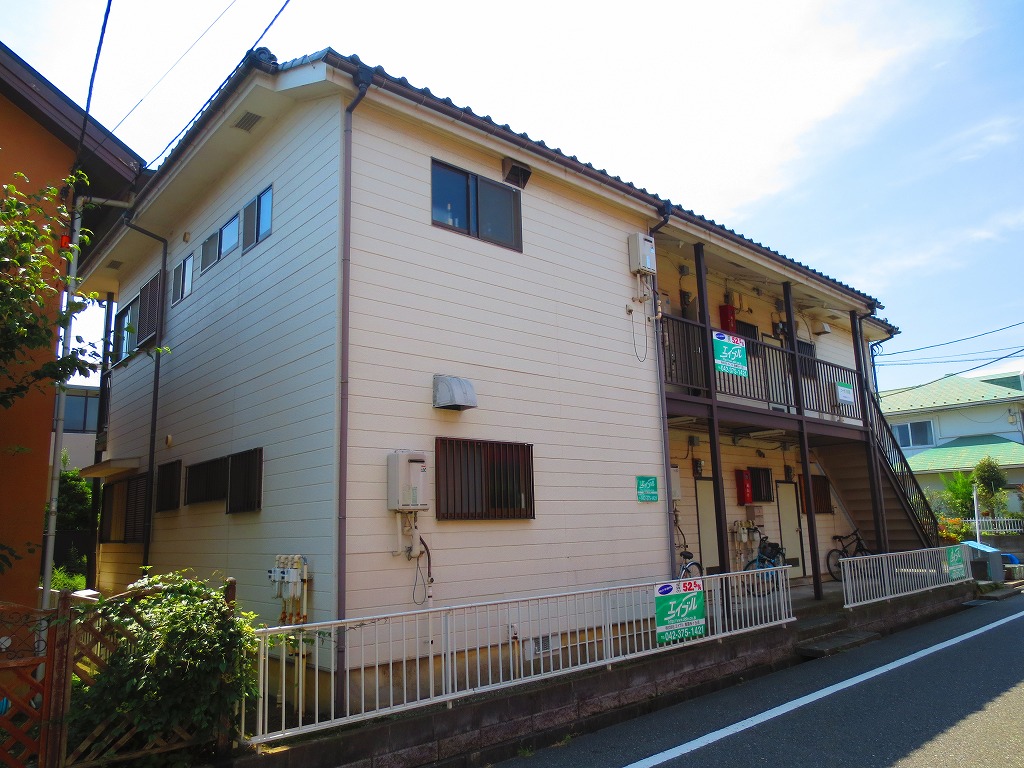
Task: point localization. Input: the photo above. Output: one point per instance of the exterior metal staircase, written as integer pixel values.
(909, 521)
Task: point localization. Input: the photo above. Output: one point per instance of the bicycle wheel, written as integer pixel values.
(691, 570)
(832, 563)
(762, 581)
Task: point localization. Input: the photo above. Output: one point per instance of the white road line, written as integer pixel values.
(782, 709)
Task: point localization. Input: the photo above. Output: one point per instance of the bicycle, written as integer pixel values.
(850, 545)
(770, 556)
(690, 568)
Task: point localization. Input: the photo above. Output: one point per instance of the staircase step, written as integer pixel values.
(827, 646)
(819, 626)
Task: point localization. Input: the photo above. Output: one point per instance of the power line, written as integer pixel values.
(92, 82)
(946, 343)
(942, 362)
(171, 68)
(209, 101)
(1015, 353)
(959, 357)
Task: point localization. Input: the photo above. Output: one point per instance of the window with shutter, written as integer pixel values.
(483, 480)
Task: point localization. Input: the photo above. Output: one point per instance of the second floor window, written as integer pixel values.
(914, 434)
(476, 206)
(135, 323)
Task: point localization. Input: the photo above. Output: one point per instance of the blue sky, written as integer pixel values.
(878, 142)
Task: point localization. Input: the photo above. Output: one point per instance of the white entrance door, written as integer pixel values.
(790, 525)
(706, 524)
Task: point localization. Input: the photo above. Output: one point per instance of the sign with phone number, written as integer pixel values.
(680, 611)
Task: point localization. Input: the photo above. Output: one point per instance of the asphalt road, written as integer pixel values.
(934, 696)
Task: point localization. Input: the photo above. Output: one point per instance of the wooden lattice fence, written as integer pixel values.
(34, 683)
(43, 656)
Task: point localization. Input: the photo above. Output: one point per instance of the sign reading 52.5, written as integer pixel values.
(679, 610)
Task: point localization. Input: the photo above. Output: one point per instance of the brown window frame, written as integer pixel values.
(168, 486)
(123, 513)
(762, 484)
(469, 475)
(245, 481)
(206, 481)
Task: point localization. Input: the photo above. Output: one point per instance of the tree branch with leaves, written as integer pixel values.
(33, 274)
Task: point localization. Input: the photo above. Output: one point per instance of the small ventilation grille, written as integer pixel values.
(248, 121)
(114, 264)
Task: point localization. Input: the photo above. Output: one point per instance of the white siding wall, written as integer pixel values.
(252, 364)
(545, 339)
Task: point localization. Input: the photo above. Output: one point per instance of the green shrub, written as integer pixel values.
(62, 579)
(190, 667)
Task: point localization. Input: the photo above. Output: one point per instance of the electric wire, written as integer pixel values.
(940, 361)
(946, 343)
(216, 91)
(92, 83)
(951, 358)
(900, 391)
(171, 68)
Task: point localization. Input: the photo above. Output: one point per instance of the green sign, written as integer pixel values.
(957, 568)
(844, 393)
(646, 488)
(730, 354)
(680, 611)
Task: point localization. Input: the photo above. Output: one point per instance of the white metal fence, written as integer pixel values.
(869, 578)
(998, 524)
(316, 676)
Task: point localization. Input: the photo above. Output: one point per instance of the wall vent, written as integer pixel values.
(248, 121)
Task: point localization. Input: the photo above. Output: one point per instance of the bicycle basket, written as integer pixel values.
(770, 550)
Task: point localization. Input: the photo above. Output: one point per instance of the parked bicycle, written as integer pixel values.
(770, 556)
(850, 545)
(689, 568)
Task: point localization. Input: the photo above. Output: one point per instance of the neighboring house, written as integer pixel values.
(40, 129)
(81, 411)
(346, 267)
(951, 424)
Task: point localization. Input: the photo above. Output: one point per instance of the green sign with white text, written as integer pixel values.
(680, 611)
(956, 566)
(730, 354)
(646, 488)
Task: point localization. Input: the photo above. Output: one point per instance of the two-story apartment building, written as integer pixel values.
(375, 300)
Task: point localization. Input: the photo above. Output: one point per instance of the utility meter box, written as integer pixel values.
(407, 481)
(641, 254)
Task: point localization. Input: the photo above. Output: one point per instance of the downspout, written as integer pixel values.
(103, 408)
(58, 424)
(147, 525)
(673, 564)
(363, 78)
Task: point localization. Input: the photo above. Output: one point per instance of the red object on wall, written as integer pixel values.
(727, 317)
(744, 487)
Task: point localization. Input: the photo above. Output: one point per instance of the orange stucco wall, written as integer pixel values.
(25, 429)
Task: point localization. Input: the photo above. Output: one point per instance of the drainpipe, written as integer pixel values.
(147, 525)
(363, 79)
(673, 564)
(58, 423)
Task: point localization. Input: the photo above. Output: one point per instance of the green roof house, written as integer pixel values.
(951, 424)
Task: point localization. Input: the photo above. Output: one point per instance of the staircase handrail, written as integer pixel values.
(889, 447)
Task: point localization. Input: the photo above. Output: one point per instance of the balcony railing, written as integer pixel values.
(769, 376)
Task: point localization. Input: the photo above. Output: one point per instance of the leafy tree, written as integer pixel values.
(74, 502)
(32, 276)
(991, 480)
(957, 495)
